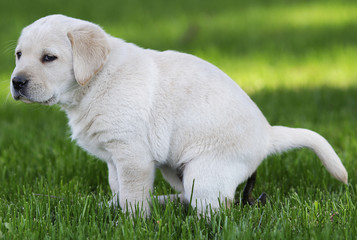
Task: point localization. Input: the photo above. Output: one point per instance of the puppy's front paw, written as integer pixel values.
(113, 203)
(137, 209)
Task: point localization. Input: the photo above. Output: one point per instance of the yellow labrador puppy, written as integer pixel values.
(140, 109)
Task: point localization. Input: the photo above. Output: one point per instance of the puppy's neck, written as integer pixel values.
(73, 97)
(79, 96)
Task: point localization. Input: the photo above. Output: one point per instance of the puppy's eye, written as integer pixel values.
(48, 58)
(18, 55)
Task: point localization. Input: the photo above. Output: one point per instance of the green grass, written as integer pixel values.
(296, 59)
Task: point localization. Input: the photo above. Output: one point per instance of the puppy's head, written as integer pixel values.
(56, 55)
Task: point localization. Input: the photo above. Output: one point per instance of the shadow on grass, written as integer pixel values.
(257, 34)
(312, 106)
(286, 40)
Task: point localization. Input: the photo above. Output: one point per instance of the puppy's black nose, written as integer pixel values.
(19, 82)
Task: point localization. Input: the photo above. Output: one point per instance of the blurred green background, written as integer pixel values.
(258, 43)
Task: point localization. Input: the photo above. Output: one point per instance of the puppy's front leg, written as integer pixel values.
(113, 183)
(135, 174)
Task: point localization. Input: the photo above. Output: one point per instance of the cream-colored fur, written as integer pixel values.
(140, 109)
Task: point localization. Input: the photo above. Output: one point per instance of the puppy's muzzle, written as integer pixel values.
(19, 84)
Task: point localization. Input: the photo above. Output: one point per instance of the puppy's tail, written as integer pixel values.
(284, 138)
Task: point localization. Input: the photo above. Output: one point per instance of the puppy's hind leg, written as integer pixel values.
(209, 185)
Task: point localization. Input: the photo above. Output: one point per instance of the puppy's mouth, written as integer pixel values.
(22, 97)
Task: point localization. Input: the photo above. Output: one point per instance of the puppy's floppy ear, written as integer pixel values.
(90, 49)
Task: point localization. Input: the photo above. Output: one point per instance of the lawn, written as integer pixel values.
(296, 59)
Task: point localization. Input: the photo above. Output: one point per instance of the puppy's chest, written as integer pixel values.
(92, 146)
(89, 135)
